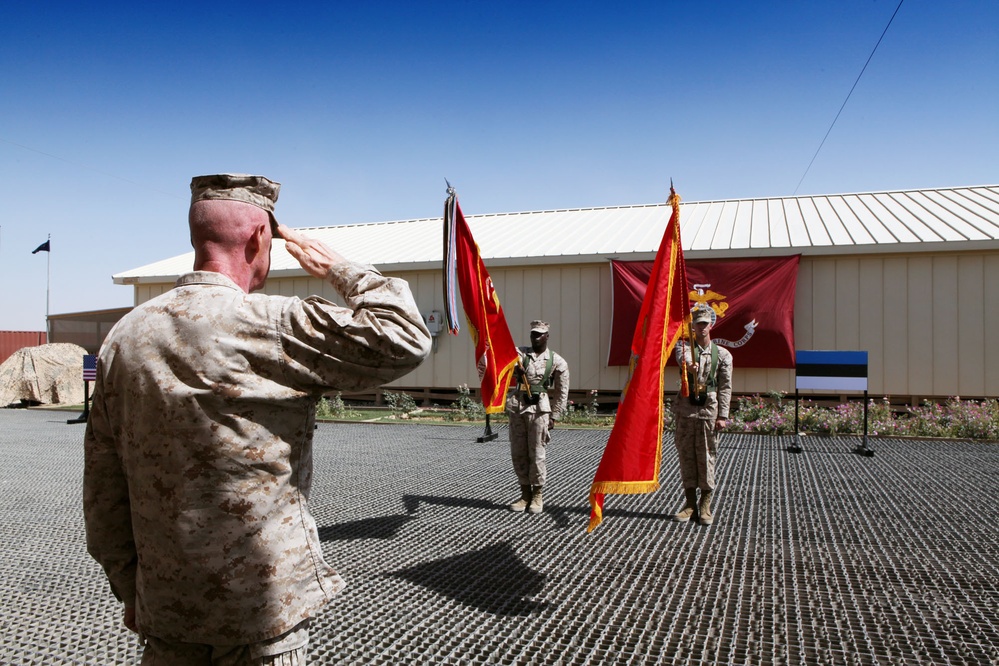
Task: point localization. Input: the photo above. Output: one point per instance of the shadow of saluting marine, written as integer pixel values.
(384, 527)
(493, 579)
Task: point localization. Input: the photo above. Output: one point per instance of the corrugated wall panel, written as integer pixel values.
(803, 303)
(970, 327)
(870, 316)
(426, 289)
(845, 306)
(11, 341)
(895, 343)
(920, 325)
(589, 331)
(946, 377)
(569, 317)
(531, 304)
(609, 376)
(823, 314)
(990, 312)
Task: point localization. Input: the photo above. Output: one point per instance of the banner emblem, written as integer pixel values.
(716, 303)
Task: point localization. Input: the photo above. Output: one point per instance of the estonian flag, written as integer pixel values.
(44, 247)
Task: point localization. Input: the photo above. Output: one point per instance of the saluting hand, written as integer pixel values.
(313, 255)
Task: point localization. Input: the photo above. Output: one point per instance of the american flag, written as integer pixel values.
(89, 368)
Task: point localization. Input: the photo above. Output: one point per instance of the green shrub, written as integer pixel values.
(466, 408)
(334, 408)
(399, 403)
(587, 414)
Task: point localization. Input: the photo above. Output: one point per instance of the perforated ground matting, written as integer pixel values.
(822, 557)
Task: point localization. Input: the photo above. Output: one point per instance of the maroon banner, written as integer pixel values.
(753, 302)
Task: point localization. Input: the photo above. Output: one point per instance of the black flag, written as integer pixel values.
(44, 247)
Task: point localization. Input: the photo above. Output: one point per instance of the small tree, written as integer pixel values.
(335, 408)
(400, 403)
(467, 407)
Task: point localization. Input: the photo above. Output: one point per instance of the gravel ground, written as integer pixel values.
(822, 557)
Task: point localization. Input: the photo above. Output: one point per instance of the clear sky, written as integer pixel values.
(362, 109)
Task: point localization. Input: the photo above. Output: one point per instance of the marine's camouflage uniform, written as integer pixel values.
(696, 441)
(198, 450)
(529, 422)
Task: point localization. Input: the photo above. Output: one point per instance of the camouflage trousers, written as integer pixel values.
(289, 649)
(529, 435)
(697, 447)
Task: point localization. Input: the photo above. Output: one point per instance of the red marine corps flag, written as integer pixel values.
(495, 352)
(630, 464)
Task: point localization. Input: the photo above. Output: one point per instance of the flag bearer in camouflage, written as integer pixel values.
(700, 415)
(198, 450)
(533, 413)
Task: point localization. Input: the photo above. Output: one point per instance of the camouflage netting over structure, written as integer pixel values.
(49, 374)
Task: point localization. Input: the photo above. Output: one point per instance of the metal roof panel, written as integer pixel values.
(906, 220)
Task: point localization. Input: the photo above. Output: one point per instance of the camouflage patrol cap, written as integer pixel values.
(539, 326)
(700, 314)
(256, 190)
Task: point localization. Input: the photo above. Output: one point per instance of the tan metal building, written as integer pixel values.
(911, 276)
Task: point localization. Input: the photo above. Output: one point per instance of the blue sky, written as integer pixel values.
(362, 109)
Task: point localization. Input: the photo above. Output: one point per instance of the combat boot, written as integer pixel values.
(689, 507)
(705, 507)
(536, 503)
(525, 499)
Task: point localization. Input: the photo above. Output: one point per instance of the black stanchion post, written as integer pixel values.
(795, 446)
(488, 435)
(82, 418)
(865, 447)
(89, 375)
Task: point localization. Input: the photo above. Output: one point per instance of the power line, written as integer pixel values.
(848, 96)
(88, 168)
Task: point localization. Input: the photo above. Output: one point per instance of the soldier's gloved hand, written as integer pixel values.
(551, 422)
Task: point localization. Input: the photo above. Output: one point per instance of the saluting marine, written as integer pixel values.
(198, 450)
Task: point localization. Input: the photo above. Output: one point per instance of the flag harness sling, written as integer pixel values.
(700, 398)
(534, 390)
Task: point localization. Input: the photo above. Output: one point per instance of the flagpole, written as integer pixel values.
(48, 283)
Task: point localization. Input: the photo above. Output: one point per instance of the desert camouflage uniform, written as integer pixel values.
(529, 422)
(198, 451)
(696, 440)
